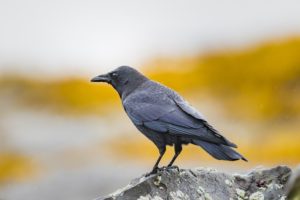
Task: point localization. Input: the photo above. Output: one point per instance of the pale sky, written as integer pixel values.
(94, 35)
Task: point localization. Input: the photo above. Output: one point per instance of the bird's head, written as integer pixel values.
(124, 79)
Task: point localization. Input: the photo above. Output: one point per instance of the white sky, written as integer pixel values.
(96, 35)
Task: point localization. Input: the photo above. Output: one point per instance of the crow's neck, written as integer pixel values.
(131, 86)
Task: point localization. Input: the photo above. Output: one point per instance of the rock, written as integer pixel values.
(207, 184)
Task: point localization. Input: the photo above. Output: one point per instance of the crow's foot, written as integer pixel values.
(154, 171)
(160, 169)
(173, 167)
(169, 167)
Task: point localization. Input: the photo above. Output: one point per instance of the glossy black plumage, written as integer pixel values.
(165, 117)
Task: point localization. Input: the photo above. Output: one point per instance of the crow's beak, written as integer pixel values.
(101, 78)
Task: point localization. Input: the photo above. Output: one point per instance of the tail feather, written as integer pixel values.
(220, 151)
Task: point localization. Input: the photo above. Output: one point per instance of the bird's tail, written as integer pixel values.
(220, 151)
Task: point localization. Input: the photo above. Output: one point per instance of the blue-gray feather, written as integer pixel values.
(166, 112)
(164, 116)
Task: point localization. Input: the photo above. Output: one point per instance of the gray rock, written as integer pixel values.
(207, 184)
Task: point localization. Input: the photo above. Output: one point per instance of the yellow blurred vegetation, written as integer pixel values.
(259, 84)
(15, 167)
(66, 96)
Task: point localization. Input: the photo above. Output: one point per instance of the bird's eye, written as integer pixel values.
(114, 75)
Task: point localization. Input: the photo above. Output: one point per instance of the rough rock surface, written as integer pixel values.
(207, 184)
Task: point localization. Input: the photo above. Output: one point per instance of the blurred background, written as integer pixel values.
(62, 137)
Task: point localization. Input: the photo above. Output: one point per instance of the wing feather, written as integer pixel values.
(171, 114)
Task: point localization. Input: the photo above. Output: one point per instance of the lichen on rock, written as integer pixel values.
(257, 196)
(207, 184)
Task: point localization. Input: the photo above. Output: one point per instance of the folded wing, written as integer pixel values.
(175, 116)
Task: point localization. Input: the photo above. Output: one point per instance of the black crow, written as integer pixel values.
(164, 117)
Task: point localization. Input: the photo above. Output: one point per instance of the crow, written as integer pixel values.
(164, 117)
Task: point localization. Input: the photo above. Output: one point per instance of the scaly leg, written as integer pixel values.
(178, 149)
(155, 167)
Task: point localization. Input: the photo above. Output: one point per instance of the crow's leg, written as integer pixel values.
(178, 149)
(162, 151)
